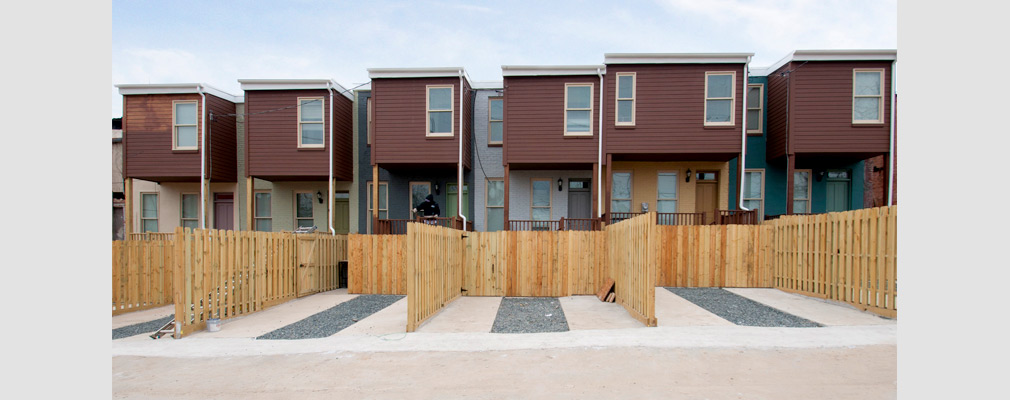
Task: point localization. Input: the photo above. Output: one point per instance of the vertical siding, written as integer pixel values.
(670, 111)
(399, 116)
(147, 138)
(534, 115)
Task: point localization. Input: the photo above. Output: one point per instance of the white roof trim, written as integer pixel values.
(540, 70)
(489, 85)
(175, 88)
(836, 55)
(293, 84)
(438, 72)
(676, 58)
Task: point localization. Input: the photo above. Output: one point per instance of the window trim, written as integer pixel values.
(550, 198)
(487, 203)
(809, 199)
(618, 98)
(564, 126)
(312, 201)
(489, 120)
(880, 104)
(175, 126)
(410, 196)
(760, 199)
(368, 199)
(676, 181)
(732, 99)
(157, 211)
(631, 190)
(322, 107)
(428, 111)
(182, 209)
(370, 124)
(760, 109)
(255, 217)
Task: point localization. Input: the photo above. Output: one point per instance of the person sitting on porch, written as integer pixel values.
(428, 209)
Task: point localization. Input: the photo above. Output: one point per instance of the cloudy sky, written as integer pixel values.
(217, 43)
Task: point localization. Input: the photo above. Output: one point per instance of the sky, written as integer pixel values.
(218, 43)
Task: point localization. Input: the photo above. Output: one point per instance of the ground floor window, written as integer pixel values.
(383, 200)
(190, 210)
(149, 212)
(303, 210)
(540, 203)
(262, 214)
(801, 191)
(620, 193)
(418, 191)
(666, 192)
(495, 201)
(753, 193)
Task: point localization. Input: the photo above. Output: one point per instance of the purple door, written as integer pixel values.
(224, 211)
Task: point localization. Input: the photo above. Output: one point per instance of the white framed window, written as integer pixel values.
(720, 98)
(418, 191)
(578, 109)
(383, 200)
(440, 110)
(495, 201)
(310, 122)
(540, 201)
(620, 192)
(755, 108)
(495, 120)
(148, 212)
(189, 215)
(369, 127)
(801, 191)
(666, 192)
(184, 135)
(262, 214)
(867, 96)
(625, 104)
(754, 191)
(303, 209)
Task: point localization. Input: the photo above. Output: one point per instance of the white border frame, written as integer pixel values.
(322, 107)
(732, 99)
(618, 98)
(489, 120)
(761, 108)
(592, 98)
(428, 111)
(294, 207)
(880, 97)
(175, 131)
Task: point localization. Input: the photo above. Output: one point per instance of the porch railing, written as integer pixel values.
(721, 217)
(563, 224)
(399, 226)
(736, 217)
(152, 236)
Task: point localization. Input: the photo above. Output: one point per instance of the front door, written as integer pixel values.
(341, 213)
(450, 198)
(579, 198)
(837, 191)
(706, 194)
(224, 211)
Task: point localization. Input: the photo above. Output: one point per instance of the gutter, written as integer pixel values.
(599, 155)
(743, 149)
(329, 214)
(203, 156)
(890, 154)
(459, 173)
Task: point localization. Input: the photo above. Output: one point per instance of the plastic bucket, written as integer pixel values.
(214, 324)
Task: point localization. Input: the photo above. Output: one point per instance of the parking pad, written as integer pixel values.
(335, 319)
(148, 327)
(740, 310)
(530, 315)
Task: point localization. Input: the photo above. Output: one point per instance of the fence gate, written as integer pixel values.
(308, 266)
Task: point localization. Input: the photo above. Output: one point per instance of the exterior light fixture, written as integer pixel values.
(559, 184)
(688, 177)
(319, 196)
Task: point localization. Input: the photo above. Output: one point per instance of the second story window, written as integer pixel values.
(310, 122)
(867, 96)
(440, 110)
(755, 106)
(578, 109)
(184, 125)
(495, 120)
(626, 99)
(720, 89)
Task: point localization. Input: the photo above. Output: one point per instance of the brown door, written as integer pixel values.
(706, 194)
(224, 211)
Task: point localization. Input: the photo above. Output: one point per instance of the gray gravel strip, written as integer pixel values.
(335, 319)
(740, 310)
(530, 315)
(148, 327)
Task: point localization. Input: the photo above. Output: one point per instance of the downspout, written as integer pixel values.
(203, 155)
(599, 155)
(459, 172)
(743, 148)
(890, 154)
(329, 214)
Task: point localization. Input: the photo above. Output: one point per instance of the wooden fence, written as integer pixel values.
(712, 256)
(848, 256)
(377, 264)
(632, 254)
(434, 270)
(141, 274)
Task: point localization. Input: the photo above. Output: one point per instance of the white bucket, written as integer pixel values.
(214, 324)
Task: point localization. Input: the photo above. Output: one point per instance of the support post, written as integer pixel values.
(790, 167)
(375, 197)
(250, 202)
(610, 183)
(595, 190)
(506, 221)
(128, 208)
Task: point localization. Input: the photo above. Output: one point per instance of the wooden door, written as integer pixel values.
(706, 195)
(837, 191)
(224, 211)
(342, 214)
(308, 282)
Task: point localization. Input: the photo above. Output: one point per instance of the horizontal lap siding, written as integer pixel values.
(147, 126)
(534, 121)
(343, 146)
(670, 111)
(399, 115)
(272, 134)
(223, 145)
(776, 116)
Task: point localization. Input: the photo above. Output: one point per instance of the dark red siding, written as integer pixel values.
(147, 127)
(399, 115)
(534, 121)
(776, 116)
(272, 137)
(223, 160)
(670, 111)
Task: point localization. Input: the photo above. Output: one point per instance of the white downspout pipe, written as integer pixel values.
(599, 155)
(890, 154)
(459, 172)
(742, 165)
(203, 155)
(329, 180)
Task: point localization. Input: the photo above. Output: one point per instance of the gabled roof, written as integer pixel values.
(676, 58)
(126, 89)
(294, 84)
(832, 55)
(434, 72)
(546, 70)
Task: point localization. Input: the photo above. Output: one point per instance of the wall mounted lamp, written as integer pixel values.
(559, 184)
(687, 178)
(319, 196)
(436, 188)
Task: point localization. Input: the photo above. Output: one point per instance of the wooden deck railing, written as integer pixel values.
(563, 224)
(530, 225)
(697, 218)
(736, 217)
(152, 236)
(581, 224)
(399, 226)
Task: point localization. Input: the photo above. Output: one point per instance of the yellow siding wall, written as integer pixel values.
(644, 181)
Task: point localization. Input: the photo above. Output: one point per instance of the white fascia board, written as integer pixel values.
(544, 70)
(835, 55)
(763, 71)
(489, 85)
(176, 88)
(440, 72)
(677, 58)
(293, 84)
